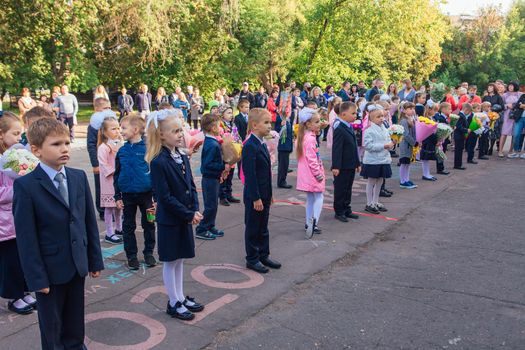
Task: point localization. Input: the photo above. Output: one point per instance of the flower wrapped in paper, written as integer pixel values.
(18, 161)
(493, 117)
(476, 122)
(443, 131)
(231, 150)
(415, 152)
(396, 132)
(272, 141)
(424, 128)
(193, 139)
(295, 129)
(453, 119)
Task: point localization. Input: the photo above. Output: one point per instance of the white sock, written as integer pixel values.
(426, 168)
(377, 190)
(20, 303)
(370, 191)
(309, 207)
(317, 205)
(168, 274)
(179, 280)
(29, 299)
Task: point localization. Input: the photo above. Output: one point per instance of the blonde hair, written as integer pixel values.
(300, 135)
(255, 115)
(154, 140)
(102, 138)
(135, 120)
(6, 123)
(100, 90)
(334, 102)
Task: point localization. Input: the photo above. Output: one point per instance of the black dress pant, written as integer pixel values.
(143, 201)
(343, 191)
(282, 168)
(225, 188)
(459, 147)
(97, 193)
(256, 234)
(61, 315)
(472, 139)
(483, 144)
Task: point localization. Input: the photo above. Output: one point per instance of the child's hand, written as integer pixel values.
(197, 217)
(120, 204)
(389, 145)
(227, 167)
(335, 172)
(96, 170)
(95, 274)
(258, 205)
(43, 290)
(358, 169)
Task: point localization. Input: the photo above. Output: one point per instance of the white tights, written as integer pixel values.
(314, 205)
(173, 274)
(426, 168)
(109, 214)
(373, 188)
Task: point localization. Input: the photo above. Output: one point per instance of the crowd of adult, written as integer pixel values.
(285, 101)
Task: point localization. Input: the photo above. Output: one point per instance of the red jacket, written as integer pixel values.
(467, 99)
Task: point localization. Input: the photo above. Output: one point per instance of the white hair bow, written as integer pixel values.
(306, 114)
(430, 103)
(157, 116)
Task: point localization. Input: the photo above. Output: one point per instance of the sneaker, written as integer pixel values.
(119, 233)
(522, 156)
(150, 260)
(133, 264)
(513, 155)
(206, 235)
(317, 230)
(407, 185)
(310, 228)
(412, 185)
(371, 209)
(216, 233)
(113, 239)
(381, 207)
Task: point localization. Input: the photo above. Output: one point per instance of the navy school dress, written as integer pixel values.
(177, 202)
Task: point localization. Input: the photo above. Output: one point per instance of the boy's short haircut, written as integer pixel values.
(395, 98)
(466, 106)
(101, 103)
(208, 121)
(135, 120)
(42, 128)
(297, 89)
(476, 105)
(255, 115)
(243, 102)
(444, 105)
(486, 104)
(36, 113)
(165, 105)
(473, 87)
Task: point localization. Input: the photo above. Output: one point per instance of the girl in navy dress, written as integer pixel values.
(177, 206)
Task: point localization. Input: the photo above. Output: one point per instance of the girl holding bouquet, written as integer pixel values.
(12, 282)
(310, 170)
(109, 142)
(377, 159)
(428, 146)
(406, 147)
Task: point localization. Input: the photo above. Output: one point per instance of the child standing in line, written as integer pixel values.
(420, 99)
(12, 283)
(460, 132)
(133, 190)
(177, 208)
(257, 192)
(483, 143)
(445, 109)
(310, 169)
(225, 190)
(345, 160)
(472, 137)
(377, 159)
(284, 149)
(213, 170)
(428, 146)
(109, 142)
(406, 120)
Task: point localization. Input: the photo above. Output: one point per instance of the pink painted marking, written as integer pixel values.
(198, 275)
(214, 306)
(157, 331)
(144, 294)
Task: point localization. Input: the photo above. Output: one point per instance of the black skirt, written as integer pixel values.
(376, 171)
(12, 282)
(404, 160)
(175, 242)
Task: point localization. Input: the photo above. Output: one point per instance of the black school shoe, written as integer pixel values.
(233, 200)
(224, 202)
(216, 233)
(384, 193)
(133, 264)
(172, 311)
(196, 307)
(371, 209)
(26, 310)
(351, 215)
(150, 260)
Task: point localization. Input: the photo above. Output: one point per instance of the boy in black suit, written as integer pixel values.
(57, 236)
(284, 149)
(459, 135)
(257, 192)
(241, 122)
(345, 160)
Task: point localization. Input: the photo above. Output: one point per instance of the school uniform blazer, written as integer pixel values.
(242, 125)
(55, 241)
(344, 148)
(175, 193)
(461, 127)
(257, 171)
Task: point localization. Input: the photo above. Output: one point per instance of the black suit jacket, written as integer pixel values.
(461, 127)
(55, 241)
(242, 125)
(344, 148)
(256, 167)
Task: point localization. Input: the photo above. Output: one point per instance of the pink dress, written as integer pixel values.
(7, 225)
(106, 159)
(508, 124)
(310, 165)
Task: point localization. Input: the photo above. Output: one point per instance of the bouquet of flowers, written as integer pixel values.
(443, 131)
(272, 141)
(476, 125)
(193, 139)
(231, 150)
(18, 161)
(295, 129)
(453, 119)
(396, 132)
(283, 133)
(493, 116)
(415, 152)
(424, 128)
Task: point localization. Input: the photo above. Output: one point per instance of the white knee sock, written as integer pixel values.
(318, 205)
(370, 191)
(377, 190)
(309, 206)
(168, 274)
(108, 220)
(426, 168)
